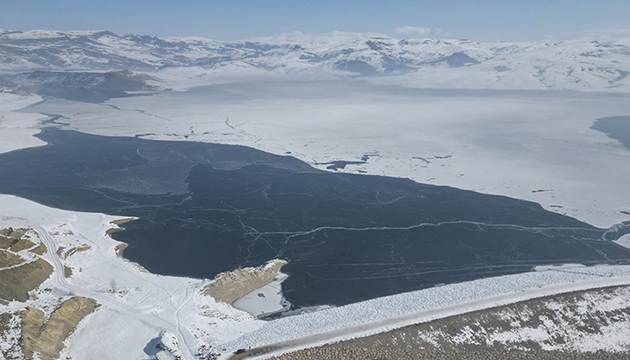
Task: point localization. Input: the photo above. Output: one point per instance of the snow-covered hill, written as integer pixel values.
(583, 64)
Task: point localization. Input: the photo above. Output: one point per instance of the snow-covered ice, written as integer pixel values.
(17, 128)
(266, 300)
(536, 146)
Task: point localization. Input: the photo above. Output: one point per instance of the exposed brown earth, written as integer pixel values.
(12, 239)
(46, 338)
(32, 324)
(21, 244)
(60, 251)
(61, 323)
(15, 283)
(231, 286)
(120, 248)
(119, 224)
(74, 250)
(67, 271)
(13, 233)
(39, 250)
(9, 259)
(6, 242)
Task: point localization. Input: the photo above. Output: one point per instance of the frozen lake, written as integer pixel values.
(207, 208)
(532, 145)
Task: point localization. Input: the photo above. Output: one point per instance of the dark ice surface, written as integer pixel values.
(616, 127)
(209, 208)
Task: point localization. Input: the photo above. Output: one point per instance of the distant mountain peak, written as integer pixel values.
(589, 64)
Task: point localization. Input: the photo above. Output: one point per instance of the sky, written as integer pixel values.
(483, 20)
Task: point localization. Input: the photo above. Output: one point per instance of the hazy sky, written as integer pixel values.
(235, 19)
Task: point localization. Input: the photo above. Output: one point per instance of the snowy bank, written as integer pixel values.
(136, 306)
(391, 312)
(233, 285)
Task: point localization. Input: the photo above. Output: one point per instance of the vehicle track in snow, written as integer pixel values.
(106, 299)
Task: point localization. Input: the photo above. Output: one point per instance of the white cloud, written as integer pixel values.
(415, 31)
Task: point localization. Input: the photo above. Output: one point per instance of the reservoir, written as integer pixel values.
(208, 208)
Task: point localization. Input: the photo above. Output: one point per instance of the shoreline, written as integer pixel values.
(120, 248)
(463, 307)
(230, 286)
(396, 311)
(272, 267)
(122, 245)
(118, 285)
(118, 224)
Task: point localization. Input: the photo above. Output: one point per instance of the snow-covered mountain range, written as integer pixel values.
(587, 64)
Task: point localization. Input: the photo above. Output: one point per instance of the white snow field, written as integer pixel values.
(536, 146)
(143, 304)
(266, 300)
(17, 128)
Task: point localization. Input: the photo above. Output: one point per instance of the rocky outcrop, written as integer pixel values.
(230, 286)
(47, 338)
